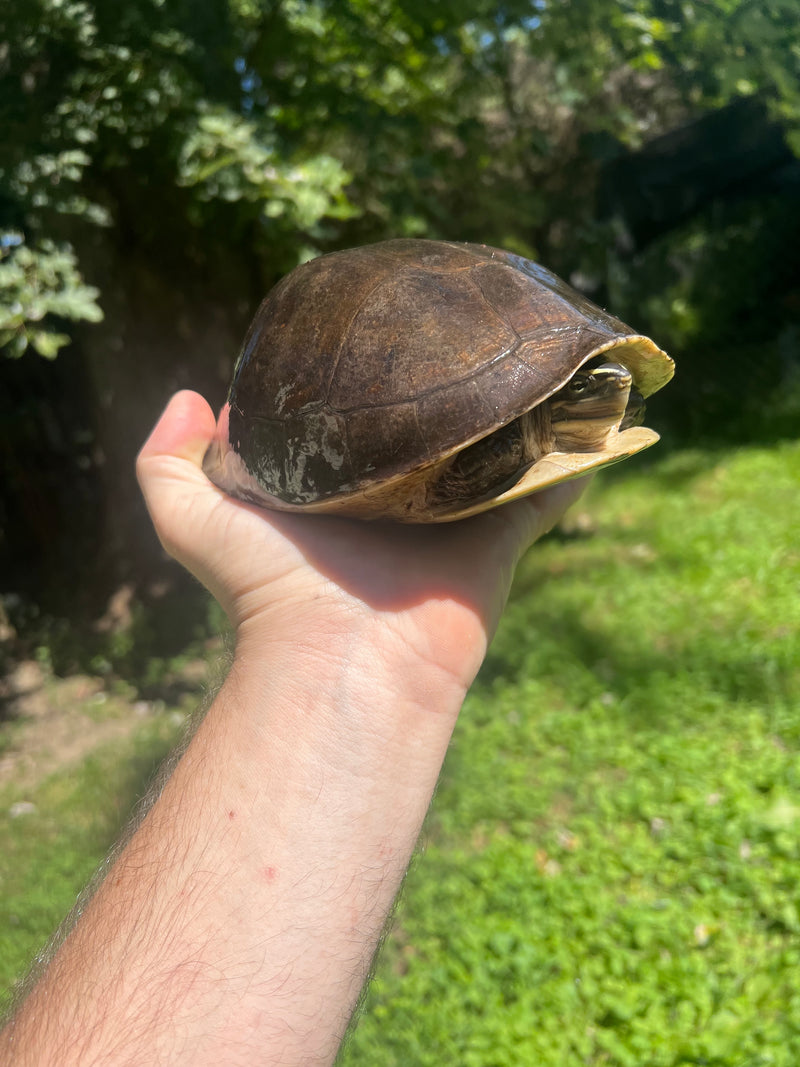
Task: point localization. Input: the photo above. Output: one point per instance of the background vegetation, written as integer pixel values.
(608, 877)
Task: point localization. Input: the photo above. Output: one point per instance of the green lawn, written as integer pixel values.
(49, 854)
(610, 870)
(612, 866)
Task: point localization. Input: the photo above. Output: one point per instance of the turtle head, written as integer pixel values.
(599, 398)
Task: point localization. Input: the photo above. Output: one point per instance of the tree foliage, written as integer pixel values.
(290, 125)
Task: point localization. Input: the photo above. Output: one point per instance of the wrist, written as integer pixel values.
(355, 694)
(427, 650)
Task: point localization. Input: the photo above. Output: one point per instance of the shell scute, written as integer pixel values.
(416, 331)
(400, 437)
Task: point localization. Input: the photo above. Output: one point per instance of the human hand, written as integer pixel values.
(316, 582)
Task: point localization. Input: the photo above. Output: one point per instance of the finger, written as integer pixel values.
(184, 430)
(170, 472)
(169, 464)
(536, 515)
(558, 499)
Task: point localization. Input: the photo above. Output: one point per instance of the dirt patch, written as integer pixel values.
(52, 723)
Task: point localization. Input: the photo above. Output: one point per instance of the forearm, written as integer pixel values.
(239, 923)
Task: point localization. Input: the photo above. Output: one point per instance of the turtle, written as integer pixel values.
(427, 381)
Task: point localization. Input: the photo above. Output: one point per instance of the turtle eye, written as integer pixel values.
(578, 385)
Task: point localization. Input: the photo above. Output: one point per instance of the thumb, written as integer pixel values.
(184, 430)
(169, 469)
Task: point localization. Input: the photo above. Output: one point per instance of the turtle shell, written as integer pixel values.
(364, 369)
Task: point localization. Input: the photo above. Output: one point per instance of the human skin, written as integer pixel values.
(238, 924)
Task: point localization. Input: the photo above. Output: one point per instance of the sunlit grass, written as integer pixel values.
(611, 866)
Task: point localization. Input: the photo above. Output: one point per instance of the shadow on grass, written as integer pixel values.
(670, 676)
(53, 854)
(148, 649)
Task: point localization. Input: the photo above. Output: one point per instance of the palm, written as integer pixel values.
(437, 589)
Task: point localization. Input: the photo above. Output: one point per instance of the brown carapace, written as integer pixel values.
(426, 381)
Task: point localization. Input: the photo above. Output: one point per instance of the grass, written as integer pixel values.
(48, 854)
(610, 867)
(610, 873)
